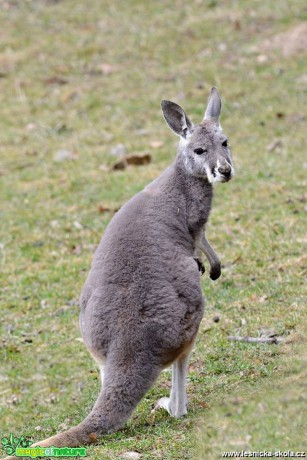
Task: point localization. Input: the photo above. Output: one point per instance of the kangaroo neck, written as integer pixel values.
(198, 193)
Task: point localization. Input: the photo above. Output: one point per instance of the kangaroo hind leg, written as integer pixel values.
(126, 380)
(176, 404)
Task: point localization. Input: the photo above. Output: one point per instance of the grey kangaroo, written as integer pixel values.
(142, 304)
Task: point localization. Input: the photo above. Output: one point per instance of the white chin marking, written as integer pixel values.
(210, 176)
(219, 177)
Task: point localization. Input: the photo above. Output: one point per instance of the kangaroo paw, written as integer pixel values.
(215, 272)
(200, 265)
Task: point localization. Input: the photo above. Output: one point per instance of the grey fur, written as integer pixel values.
(214, 106)
(176, 118)
(142, 304)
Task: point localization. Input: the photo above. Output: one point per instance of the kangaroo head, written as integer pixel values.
(203, 147)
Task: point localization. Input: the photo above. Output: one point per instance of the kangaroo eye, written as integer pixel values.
(199, 151)
(225, 143)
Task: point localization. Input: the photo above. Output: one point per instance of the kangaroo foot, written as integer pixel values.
(166, 403)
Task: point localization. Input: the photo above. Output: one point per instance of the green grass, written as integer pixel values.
(270, 418)
(51, 224)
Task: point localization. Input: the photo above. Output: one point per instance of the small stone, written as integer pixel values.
(54, 224)
(222, 47)
(141, 132)
(44, 303)
(118, 150)
(131, 455)
(156, 144)
(53, 398)
(78, 225)
(63, 427)
(262, 58)
(63, 155)
(15, 400)
(268, 333)
(263, 298)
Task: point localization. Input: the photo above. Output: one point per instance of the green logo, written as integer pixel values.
(20, 447)
(11, 443)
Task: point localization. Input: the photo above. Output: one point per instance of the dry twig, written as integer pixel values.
(255, 339)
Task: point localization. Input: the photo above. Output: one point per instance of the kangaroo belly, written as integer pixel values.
(157, 312)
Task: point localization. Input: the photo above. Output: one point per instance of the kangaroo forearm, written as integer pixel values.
(209, 252)
(215, 264)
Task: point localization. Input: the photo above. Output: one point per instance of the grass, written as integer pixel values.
(271, 418)
(84, 78)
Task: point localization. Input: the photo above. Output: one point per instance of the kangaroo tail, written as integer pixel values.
(126, 381)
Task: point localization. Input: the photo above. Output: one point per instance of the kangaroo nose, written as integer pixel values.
(225, 170)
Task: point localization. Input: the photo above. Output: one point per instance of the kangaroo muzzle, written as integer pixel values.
(225, 170)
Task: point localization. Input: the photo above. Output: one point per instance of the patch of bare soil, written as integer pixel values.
(289, 43)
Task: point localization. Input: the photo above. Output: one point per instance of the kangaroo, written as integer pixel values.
(141, 304)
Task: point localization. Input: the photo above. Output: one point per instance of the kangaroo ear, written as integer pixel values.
(176, 119)
(214, 106)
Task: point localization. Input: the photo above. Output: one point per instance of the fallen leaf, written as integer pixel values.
(56, 80)
(28, 340)
(106, 69)
(274, 145)
(262, 58)
(103, 208)
(237, 24)
(76, 249)
(133, 160)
